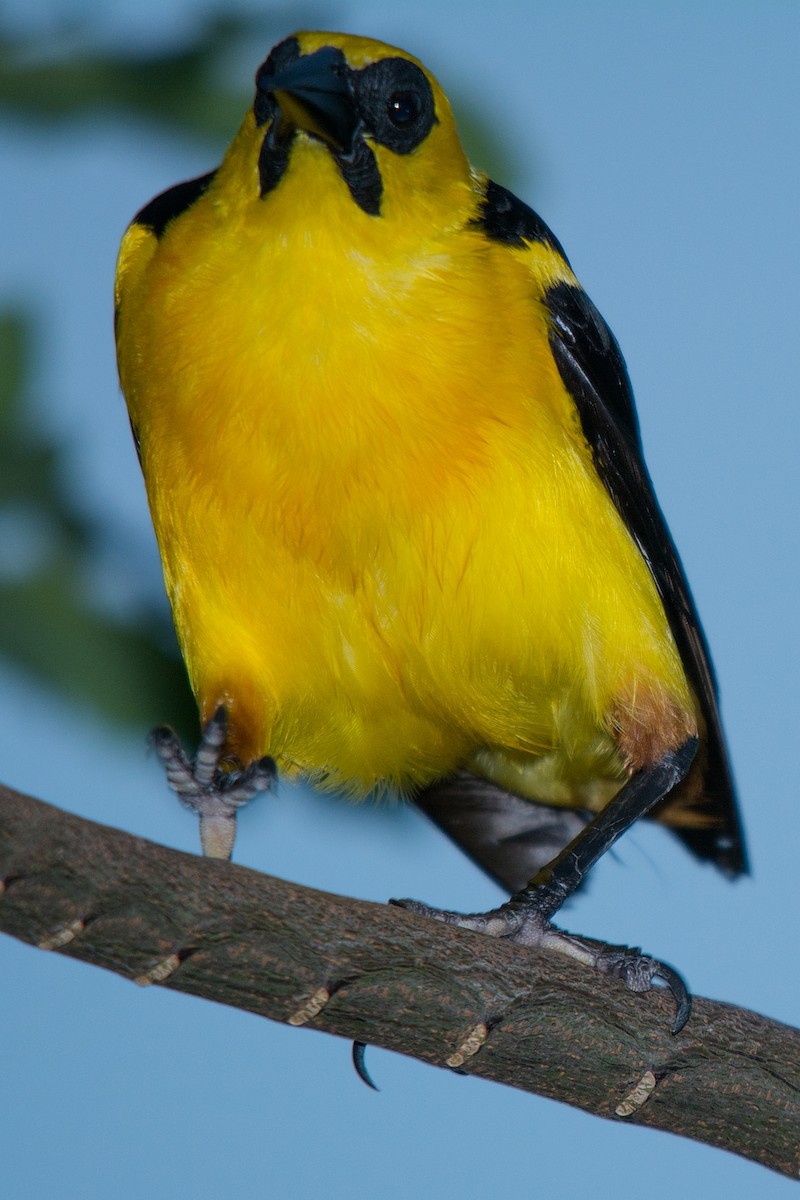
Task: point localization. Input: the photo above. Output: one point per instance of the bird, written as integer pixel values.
(408, 534)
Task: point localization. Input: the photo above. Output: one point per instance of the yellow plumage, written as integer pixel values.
(386, 543)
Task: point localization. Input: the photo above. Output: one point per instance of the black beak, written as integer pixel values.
(313, 93)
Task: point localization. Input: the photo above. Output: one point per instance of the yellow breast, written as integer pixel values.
(384, 541)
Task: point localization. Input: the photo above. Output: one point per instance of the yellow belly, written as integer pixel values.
(385, 544)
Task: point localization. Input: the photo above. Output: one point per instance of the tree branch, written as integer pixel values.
(214, 929)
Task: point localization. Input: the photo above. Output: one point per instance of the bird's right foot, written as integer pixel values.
(206, 788)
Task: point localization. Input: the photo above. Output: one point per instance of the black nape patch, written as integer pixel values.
(171, 204)
(506, 219)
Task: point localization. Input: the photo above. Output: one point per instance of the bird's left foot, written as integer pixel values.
(523, 921)
(526, 917)
(206, 788)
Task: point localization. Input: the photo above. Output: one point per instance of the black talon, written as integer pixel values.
(680, 994)
(360, 1064)
(638, 972)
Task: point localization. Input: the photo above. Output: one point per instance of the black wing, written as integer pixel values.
(164, 208)
(593, 370)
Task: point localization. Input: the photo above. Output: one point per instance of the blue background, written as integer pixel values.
(660, 142)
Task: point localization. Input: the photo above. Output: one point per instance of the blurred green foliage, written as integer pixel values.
(130, 671)
(178, 86)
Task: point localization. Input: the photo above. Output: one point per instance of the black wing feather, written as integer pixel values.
(593, 370)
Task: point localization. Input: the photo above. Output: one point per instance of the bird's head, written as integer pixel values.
(356, 119)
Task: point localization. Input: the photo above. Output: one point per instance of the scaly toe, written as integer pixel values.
(205, 788)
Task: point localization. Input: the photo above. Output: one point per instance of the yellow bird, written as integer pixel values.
(394, 469)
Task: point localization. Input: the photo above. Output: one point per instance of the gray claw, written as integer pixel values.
(521, 921)
(638, 971)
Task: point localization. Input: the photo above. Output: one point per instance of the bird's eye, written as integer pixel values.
(395, 100)
(404, 108)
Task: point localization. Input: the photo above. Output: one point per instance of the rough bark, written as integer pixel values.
(731, 1079)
